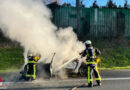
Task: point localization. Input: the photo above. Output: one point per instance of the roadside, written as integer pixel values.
(115, 55)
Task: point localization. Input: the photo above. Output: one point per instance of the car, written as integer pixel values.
(75, 68)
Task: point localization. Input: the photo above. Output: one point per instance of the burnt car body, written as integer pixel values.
(44, 70)
(72, 66)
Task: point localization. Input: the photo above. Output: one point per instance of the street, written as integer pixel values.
(111, 80)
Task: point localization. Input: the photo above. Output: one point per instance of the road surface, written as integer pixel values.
(111, 80)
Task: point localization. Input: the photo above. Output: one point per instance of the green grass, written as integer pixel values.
(11, 57)
(115, 55)
(10, 70)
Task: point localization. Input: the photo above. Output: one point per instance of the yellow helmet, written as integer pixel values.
(33, 56)
(36, 58)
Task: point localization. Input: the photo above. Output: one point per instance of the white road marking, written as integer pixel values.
(116, 78)
(67, 80)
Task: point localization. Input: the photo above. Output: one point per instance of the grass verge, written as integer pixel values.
(11, 57)
(115, 56)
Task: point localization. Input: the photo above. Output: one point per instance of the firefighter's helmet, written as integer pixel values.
(88, 42)
(30, 56)
(34, 57)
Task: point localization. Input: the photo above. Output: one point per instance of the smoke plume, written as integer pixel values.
(29, 23)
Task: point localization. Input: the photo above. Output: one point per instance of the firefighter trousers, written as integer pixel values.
(31, 71)
(92, 68)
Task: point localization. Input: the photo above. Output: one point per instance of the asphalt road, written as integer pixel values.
(111, 80)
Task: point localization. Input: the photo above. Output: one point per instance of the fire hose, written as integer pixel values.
(62, 66)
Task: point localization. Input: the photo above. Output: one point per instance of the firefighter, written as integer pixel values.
(31, 67)
(91, 54)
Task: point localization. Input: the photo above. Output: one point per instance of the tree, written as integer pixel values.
(95, 4)
(114, 5)
(66, 4)
(81, 3)
(120, 6)
(110, 4)
(126, 4)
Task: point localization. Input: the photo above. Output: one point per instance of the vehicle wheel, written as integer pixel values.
(83, 71)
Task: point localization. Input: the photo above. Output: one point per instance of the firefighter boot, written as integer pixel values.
(99, 83)
(90, 84)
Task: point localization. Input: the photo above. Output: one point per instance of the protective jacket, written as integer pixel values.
(31, 68)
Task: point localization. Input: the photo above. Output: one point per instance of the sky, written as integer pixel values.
(89, 3)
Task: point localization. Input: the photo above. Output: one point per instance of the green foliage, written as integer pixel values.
(114, 54)
(11, 57)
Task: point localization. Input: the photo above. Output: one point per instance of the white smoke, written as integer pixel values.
(28, 22)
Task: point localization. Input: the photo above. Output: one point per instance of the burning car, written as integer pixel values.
(74, 68)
